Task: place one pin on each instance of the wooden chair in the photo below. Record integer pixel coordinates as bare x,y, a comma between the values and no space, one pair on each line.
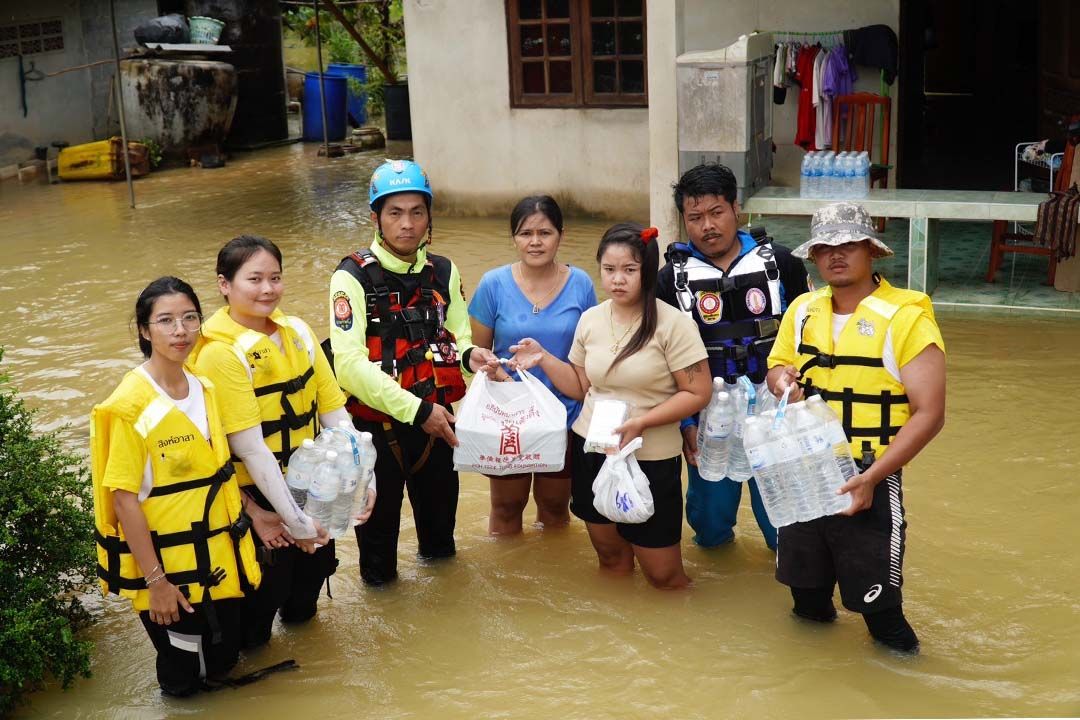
1002,241
857,133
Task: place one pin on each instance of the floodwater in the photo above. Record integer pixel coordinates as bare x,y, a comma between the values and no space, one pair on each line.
525,627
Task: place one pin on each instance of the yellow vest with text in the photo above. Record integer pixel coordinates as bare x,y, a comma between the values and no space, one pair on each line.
191,507
851,377
283,379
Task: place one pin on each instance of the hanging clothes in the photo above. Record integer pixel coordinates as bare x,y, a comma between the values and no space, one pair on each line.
822,126
780,82
875,46
807,115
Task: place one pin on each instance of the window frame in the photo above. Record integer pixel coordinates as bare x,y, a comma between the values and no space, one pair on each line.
583,94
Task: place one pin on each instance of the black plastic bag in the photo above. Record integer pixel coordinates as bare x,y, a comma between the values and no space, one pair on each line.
166,29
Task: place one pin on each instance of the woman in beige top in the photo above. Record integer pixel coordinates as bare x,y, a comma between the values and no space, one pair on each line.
648,354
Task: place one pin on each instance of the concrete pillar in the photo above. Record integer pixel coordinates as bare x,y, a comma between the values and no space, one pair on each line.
665,40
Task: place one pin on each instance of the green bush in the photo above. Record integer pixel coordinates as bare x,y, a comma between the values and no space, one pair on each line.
46,555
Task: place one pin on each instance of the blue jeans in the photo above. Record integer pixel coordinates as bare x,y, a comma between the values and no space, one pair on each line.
712,508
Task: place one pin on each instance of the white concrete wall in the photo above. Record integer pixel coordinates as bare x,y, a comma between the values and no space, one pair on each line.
481,155
58,108
69,107
711,24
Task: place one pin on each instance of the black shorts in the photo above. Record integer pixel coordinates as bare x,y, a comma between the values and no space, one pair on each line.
864,553
663,529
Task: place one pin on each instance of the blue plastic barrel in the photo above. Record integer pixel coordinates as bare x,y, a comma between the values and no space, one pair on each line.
335,107
357,103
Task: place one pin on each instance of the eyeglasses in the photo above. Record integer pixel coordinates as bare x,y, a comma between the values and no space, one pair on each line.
189,321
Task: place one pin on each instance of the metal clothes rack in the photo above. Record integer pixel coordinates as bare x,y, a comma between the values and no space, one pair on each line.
830,38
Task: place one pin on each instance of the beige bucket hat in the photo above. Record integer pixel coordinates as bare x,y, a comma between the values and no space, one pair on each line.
841,223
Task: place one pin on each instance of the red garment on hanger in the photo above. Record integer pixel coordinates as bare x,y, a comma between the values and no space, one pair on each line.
807,117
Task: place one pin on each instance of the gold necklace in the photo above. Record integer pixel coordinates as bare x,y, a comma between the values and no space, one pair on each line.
611,321
536,305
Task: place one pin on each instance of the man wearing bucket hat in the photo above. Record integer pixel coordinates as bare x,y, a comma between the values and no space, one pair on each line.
400,340
875,354
735,288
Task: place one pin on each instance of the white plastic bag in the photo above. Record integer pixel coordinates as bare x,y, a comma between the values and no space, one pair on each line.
621,491
505,428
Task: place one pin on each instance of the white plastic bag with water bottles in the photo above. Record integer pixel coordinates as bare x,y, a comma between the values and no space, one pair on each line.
621,491
507,428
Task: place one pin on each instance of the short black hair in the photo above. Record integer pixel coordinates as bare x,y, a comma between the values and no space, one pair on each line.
706,179
144,306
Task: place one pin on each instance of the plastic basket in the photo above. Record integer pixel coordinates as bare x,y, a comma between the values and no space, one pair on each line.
204,30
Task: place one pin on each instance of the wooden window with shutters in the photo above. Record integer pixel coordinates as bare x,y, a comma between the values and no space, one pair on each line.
577,53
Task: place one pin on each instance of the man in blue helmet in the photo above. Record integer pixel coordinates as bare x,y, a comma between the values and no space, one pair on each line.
736,289
400,341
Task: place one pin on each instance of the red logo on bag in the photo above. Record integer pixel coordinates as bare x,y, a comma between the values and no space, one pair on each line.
510,440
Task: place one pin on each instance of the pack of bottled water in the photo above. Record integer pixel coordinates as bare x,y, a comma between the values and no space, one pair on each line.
826,175
329,476
722,425
800,457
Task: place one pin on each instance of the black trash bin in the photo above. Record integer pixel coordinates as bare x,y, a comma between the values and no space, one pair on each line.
398,120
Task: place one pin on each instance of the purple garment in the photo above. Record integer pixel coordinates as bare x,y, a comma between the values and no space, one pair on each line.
838,78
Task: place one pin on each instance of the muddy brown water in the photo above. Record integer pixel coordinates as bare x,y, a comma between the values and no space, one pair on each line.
525,627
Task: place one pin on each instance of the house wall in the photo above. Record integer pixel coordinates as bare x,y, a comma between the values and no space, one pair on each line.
481,155
69,107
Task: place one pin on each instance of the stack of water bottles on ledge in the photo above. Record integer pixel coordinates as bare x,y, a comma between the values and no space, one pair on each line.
329,476
829,176
797,453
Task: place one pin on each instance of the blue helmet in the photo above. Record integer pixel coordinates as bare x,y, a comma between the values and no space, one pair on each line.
397,176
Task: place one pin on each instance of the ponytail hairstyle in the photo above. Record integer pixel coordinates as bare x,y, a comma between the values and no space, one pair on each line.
642,242
144,306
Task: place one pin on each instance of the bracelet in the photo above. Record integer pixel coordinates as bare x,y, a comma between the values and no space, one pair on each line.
159,578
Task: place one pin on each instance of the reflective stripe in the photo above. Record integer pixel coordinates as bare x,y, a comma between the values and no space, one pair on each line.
154,413
301,329
881,307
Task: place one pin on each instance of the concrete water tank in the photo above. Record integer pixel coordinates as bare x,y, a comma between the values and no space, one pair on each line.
253,30
725,110
181,104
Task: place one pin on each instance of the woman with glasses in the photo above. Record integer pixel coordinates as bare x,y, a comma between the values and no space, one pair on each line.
277,390
167,508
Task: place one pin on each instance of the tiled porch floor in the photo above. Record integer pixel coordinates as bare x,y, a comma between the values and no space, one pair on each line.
965,252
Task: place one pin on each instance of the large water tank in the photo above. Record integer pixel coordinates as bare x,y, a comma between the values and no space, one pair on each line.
253,30
180,104
725,113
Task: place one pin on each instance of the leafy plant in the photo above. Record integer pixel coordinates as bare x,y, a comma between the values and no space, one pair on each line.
46,555
153,149
381,24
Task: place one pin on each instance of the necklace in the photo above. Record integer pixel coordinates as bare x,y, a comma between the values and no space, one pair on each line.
536,305
611,321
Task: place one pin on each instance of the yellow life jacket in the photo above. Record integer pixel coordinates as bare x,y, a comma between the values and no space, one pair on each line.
851,376
283,379
191,508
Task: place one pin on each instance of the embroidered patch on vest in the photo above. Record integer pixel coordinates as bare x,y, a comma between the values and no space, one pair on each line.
756,302
865,327
342,310
709,307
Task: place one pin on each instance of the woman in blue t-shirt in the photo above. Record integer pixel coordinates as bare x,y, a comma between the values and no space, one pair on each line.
540,298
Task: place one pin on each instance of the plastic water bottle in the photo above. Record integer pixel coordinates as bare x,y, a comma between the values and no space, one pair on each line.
714,436
302,466
841,452
355,479
849,175
791,469
760,449
805,173
815,175
744,402
863,173
324,488
819,474
827,170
